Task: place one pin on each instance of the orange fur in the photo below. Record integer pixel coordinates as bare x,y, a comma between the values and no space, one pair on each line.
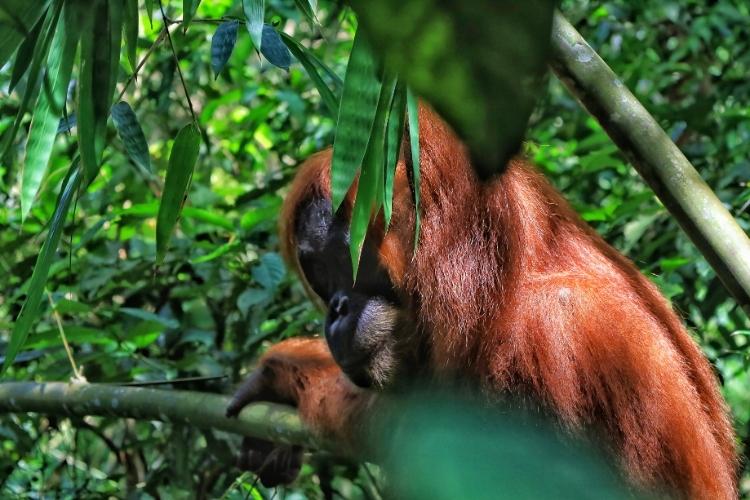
514,290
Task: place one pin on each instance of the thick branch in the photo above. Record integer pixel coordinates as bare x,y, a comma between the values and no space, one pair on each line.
264,420
674,180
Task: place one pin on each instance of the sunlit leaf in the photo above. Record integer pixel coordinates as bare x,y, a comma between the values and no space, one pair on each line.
254,13
274,49
217,252
25,54
182,161
50,103
412,111
359,102
394,136
131,133
307,59
30,308
222,45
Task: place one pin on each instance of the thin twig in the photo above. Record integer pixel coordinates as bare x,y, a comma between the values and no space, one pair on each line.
179,71
77,375
143,61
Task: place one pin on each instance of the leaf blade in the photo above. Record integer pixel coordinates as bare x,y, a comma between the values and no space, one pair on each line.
412,111
274,49
28,314
222,45
254,13
131,133
306,58
357,110
49,106
182,160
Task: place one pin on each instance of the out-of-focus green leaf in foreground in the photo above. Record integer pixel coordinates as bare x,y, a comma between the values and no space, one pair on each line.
477,62
447,447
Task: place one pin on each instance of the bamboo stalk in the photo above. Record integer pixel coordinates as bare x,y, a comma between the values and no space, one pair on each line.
662,165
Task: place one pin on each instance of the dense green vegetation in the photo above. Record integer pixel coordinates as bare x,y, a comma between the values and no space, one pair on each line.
221,292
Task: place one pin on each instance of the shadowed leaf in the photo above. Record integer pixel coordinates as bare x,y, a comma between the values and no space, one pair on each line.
274,49
222,45
131,133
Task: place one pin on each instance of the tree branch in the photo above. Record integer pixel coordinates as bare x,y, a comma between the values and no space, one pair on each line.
263,420
659,161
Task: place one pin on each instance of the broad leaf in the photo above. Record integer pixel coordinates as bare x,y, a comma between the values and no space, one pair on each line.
182,161
357,110
222,45
270,271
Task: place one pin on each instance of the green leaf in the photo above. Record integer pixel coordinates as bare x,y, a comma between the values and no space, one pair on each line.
182,161
149,316
29,310
49,105
131,133
222,45
100,56
274,49
270,271
252,297
35,72
217,252
359,103
188,11
393,139
25,54
149,4
371,181
307,9
479,63
254,13
412,111
131,31
307,59
22,16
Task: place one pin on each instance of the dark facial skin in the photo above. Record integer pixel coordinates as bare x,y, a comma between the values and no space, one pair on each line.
364,318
